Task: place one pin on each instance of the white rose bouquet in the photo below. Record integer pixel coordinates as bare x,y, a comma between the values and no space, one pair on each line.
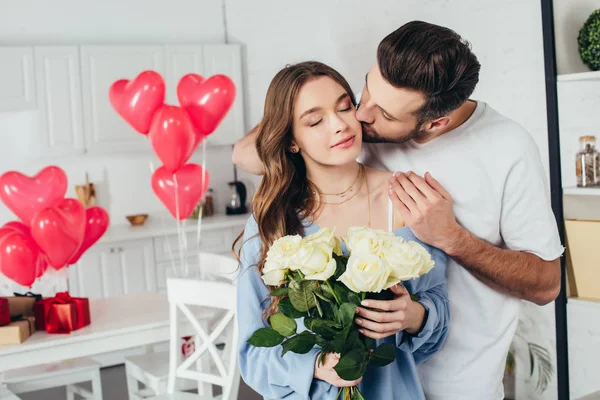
316,282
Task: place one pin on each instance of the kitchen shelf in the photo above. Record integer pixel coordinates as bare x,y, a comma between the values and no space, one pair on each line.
577,191
579,76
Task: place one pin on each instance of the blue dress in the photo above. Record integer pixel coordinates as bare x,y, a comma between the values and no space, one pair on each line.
291,376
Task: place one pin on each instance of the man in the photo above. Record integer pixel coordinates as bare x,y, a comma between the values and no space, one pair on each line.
498,227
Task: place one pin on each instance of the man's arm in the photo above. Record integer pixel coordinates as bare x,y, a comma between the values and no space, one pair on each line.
427,208
245,155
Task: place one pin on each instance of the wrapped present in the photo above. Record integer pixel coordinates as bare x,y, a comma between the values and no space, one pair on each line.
22,304
18,330
4,312
62,313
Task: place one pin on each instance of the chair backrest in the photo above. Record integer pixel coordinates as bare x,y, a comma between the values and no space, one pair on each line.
218,267
216,298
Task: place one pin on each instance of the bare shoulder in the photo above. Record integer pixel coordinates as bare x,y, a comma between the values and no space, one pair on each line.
377,178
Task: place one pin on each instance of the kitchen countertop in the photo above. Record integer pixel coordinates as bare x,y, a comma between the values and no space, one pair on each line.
163,225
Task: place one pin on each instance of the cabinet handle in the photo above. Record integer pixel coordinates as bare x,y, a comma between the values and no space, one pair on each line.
112,250
120,249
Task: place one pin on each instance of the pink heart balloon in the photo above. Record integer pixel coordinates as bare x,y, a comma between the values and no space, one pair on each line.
42,263
96,224
136,101
19,256
207,101
59,231
172,136
25,196
181,191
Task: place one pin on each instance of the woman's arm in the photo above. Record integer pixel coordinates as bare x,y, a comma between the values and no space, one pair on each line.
263,369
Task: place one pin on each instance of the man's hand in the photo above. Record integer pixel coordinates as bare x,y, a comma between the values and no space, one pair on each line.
399,314
427,209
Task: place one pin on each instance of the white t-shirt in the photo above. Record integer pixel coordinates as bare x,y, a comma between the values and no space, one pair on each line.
491,167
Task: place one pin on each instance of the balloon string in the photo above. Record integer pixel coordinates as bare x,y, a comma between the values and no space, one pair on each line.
166,236
180,235
199,232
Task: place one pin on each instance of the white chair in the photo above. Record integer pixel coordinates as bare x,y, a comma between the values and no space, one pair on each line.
65,373
152,369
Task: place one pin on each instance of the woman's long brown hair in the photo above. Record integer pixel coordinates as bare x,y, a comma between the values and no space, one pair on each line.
284,198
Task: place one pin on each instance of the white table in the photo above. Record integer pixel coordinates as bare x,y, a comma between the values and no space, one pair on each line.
118,323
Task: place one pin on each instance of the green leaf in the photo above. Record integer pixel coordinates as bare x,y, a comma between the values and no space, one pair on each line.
301,295
353,341
318,305
340,265
346,314
279,292
415,298
369,342
341,291
300,344
326,290
383,355
287,309
265,337
321,295
339,340
321,342
354,298
285,326
352,365
327,329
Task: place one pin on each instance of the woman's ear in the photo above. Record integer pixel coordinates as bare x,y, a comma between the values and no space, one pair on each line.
294,148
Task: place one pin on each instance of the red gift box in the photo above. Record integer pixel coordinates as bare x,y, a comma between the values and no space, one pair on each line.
4,312
62,313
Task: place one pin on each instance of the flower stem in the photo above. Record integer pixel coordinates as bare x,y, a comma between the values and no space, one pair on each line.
300,274
363,295
335,296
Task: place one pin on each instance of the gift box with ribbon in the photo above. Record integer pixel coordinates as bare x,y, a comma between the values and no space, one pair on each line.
62,313
22,304
4,312
18,330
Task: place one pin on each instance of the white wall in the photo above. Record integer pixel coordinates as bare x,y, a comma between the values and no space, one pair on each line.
506,36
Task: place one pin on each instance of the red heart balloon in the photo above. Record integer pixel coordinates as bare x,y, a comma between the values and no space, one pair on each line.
59,231
136,101
19,256
172,136
96,223
207,101
42,263
183,187
25,196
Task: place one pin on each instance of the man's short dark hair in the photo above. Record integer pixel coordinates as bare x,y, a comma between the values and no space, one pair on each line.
433,60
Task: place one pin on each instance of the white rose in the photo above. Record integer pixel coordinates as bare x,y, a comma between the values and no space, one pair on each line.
273,273
407,260
315,260
326,236
366,273
284,249
366,241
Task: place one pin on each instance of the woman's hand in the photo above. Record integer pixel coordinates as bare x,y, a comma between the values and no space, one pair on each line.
325,371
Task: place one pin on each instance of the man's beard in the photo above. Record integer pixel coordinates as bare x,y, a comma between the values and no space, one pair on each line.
371,136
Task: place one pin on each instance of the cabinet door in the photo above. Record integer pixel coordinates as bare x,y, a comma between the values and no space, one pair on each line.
114,269
180,61
226,59
59,100
17,81
105,131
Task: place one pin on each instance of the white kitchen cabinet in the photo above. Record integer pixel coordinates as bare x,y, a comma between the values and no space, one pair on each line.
180,61
227,60
114,269
17,80
105,130
57,72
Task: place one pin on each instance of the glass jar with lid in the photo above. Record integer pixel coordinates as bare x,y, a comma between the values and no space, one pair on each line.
587,161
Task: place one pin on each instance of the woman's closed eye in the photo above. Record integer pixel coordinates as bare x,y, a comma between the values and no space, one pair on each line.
316,123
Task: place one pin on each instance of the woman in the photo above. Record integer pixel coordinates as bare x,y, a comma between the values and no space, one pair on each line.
309,141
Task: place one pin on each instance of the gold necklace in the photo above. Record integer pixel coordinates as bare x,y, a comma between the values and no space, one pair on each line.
366,181
361,173
342,193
